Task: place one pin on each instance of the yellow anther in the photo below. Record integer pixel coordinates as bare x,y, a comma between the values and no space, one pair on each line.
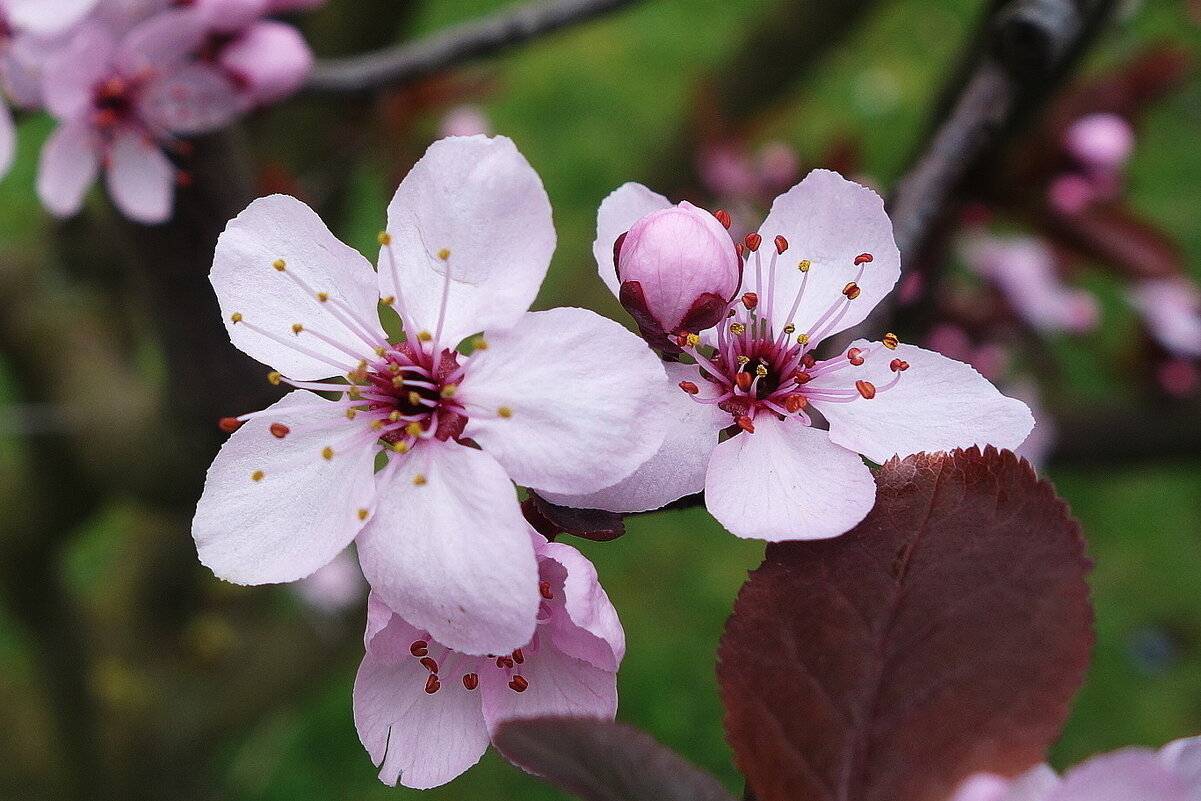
379,350
415,398
737,329
297,328
384,238
279,264
479,343
413,429
761,371
419,479
444,254
743,359
425,336
388,301
327,453
891,341
236,317
505,412
693,340
323,296
400,447
274,377
352,414
448,391
398,381
393,368
804,265
363,514
395,415
802,339
257,475
376,425
354,392
789,329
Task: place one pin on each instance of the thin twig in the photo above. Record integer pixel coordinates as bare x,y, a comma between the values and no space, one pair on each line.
480,37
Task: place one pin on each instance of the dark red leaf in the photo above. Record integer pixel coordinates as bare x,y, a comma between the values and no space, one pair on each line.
598,760
945,634
550,520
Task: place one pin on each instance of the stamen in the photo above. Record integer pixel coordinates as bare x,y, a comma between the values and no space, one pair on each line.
229,424
279,430
752,242
737,329
545,591
723,217
519,684
854,356
257,475
518,656
363,513
750,300
432,685
851,290
801,377
795,403
863,258
689,387
898,365
866,389
419,648
505,412
781,244
429,664
327,453
419,480
745,424
280,265
471,681
891,341
743,380
803,265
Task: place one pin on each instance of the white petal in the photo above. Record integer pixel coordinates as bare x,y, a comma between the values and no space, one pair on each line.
140,179
624,206
679,466
46,17
247,283
481,202
418,739
453,554
584,398
787,481
558,685
303,509
828,221
67,168
938,404
1183,756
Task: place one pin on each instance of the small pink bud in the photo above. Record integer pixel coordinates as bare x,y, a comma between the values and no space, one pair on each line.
1102,142
678,270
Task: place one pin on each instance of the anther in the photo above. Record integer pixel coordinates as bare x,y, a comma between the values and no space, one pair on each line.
297,328
444,254
851,290
789,329
429,664
739,249
864,258
750,300
545,591
689,387
274,377
257,475
743,380
801,377
323,297
363,514
693,340
891,341
400,447
432,684
471,681
279,430
752,242
761,371
505,412
414,429
745,424
808,361
388,301
866,388
898,365
394,416
854,356
229,424
742,359
723,217
376,425
504,662
398,381
802,339
327,453
419,480
737,329
794,403
419,648
425,336
479,343
236,317
803,265
384,238
448,391
352,414
414,397
379,350
781,244
519,657
279,264
519,684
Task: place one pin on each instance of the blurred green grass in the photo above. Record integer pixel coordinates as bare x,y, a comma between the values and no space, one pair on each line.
589,108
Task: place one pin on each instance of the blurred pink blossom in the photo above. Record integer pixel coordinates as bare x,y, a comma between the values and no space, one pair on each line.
1171,310
334,588
465,120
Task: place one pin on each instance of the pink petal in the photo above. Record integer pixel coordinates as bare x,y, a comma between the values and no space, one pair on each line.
46,17
1127,775
678,468
248,283
231,16
271,59
67,167
558,685
830,222
1035,784
787,481
164,41
590,631
1183,757
983,787
1171,310
418,739
1102,141
453,554
476,201
303,509
191,100
69,80
8,140
140,179
937,404
618,212
583,398
335,588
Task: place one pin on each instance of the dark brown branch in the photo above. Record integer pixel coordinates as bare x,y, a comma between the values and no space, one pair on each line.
1128,435
408,62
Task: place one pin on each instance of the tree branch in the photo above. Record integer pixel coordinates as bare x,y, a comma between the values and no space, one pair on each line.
408,62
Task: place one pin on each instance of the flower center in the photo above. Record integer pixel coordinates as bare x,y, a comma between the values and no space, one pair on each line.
409,392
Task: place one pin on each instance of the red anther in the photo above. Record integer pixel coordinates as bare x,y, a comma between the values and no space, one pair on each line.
794,403
229,424
429,664
432,684
808,361
743,380
519,657
723,217
519,684
781,244
864,258
752,242
898,365
866,388
851,290
750,300
688,387
745,424
682,339
738,248
183,178
801,377
854,357
504,662
419,648
471,680
279,430
544,590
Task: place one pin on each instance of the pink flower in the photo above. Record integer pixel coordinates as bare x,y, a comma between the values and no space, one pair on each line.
678,271
1101,142
334,588
117,100
464,120
1131,774
1171,310
821,260
45,17
425,712
560,401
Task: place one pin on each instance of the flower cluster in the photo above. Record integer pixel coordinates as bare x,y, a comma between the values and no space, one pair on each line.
129,80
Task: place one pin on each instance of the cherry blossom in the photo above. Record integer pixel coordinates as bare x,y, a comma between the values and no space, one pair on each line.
559,401
822,259
425,711
1171,310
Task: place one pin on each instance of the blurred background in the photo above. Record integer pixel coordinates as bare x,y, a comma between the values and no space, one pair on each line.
127,670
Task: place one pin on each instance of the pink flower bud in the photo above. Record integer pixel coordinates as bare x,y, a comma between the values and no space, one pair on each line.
1102,142
678,271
